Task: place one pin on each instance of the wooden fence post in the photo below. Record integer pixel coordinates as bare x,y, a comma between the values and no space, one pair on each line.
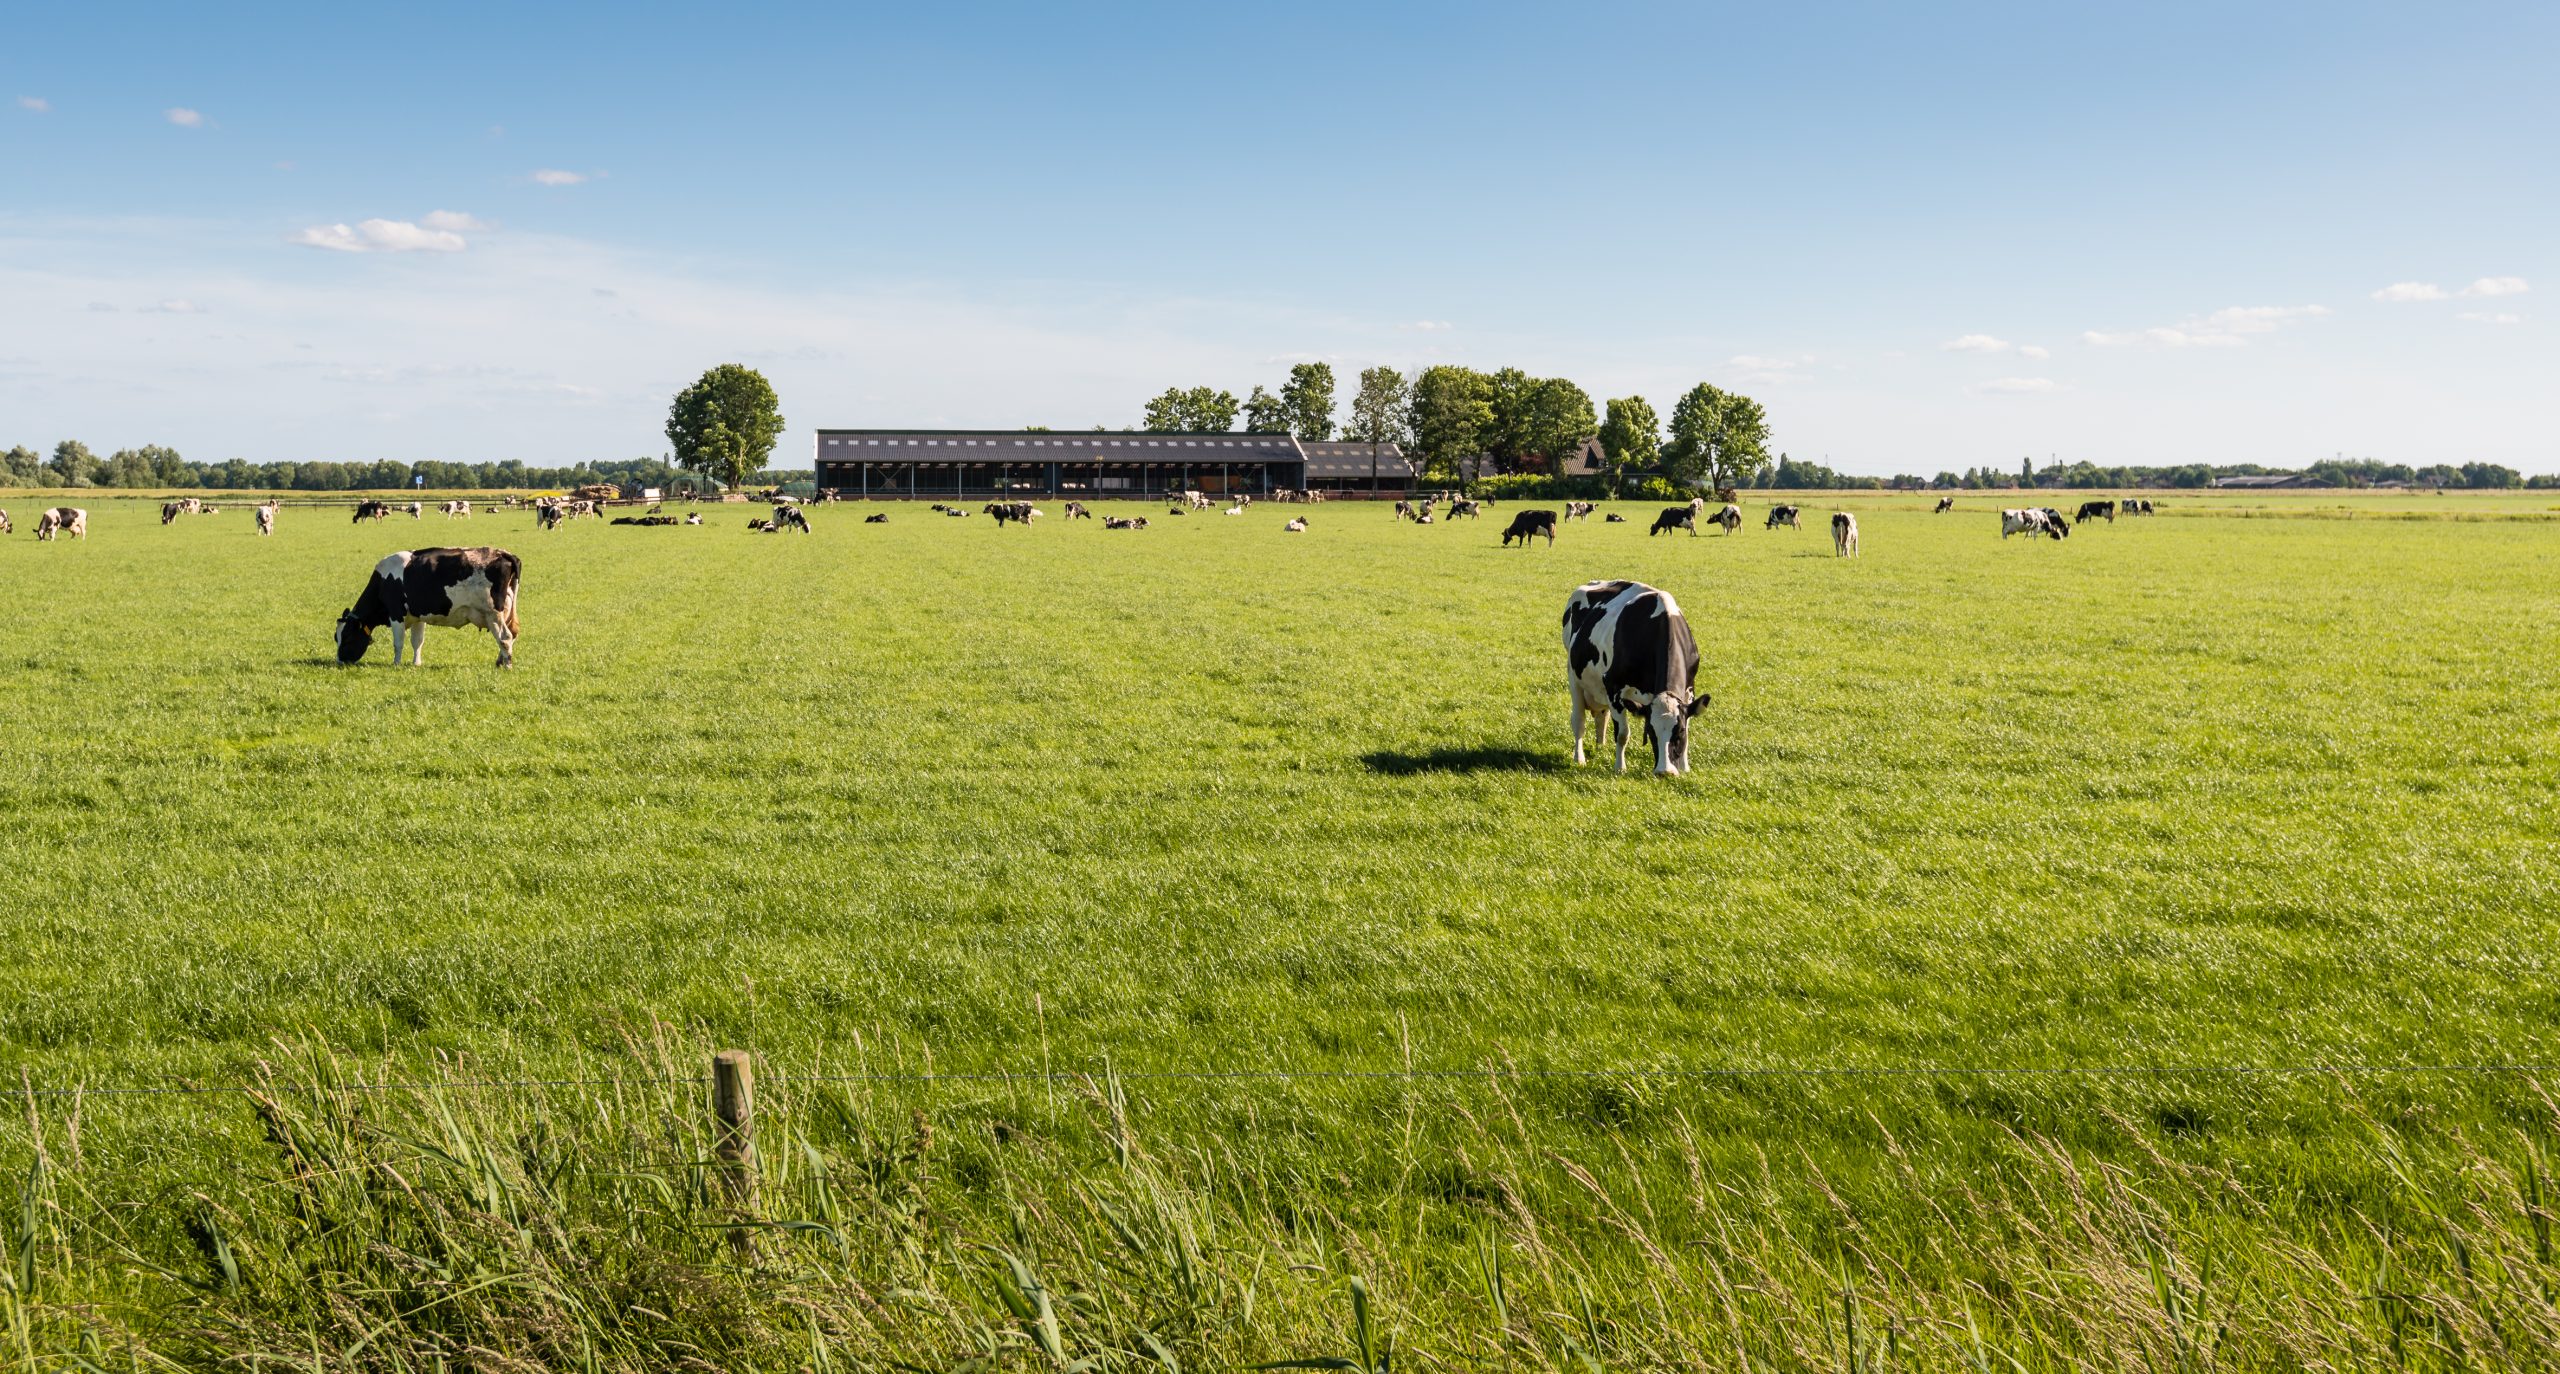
733,1111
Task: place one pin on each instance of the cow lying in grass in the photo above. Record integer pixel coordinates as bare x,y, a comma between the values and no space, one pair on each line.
410,591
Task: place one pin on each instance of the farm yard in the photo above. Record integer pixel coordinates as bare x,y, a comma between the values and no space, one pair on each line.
1153,940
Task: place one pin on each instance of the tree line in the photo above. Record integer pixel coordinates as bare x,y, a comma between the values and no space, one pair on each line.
1459,423
157,468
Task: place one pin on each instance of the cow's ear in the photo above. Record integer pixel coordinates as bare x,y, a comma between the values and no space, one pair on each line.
1699,703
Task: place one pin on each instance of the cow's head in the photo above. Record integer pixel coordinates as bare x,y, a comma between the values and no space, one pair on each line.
354,636
1667,718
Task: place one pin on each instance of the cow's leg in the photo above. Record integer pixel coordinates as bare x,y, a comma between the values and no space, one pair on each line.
1618,732
1662,753
506,637
1577,721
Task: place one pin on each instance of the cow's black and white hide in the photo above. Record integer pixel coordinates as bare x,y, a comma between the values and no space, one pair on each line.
1784,515
412,590
1675,518
1628,649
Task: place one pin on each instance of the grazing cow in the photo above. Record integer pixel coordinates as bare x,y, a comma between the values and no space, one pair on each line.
1675,518
791,517
415,509
462,510
1945,504
1017,512
410,591
5,526
1730,517
1297,526
1573,510
171,510
1613,518
60,520
267,518
548,516
2031,523
371,510
1076,511
2053,519
1844,534
880,519
1784,515
2095,510
1473,509
1528,525
1404,510
1627,648
2140,507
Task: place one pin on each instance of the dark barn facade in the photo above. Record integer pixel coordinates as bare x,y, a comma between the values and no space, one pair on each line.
938,464
1349,465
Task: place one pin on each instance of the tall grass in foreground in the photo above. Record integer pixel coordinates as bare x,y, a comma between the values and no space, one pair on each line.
1046,1226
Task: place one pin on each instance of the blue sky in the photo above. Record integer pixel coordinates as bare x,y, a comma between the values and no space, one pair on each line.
1926,237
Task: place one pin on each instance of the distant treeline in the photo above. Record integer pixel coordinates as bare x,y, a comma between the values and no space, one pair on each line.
1791,475
152,467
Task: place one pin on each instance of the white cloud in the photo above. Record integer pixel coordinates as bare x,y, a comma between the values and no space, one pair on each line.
553,176
184,118
1429,325
2410,291
36,103
175,307
2224,328
2498,286
2490,317
453,221
1976,343
2017,386
381,236
2033,351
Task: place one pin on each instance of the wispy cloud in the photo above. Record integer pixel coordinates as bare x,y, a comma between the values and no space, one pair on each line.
2490,317
2229,327
553,176
381,236
2498,286
2016,386
2410,291
183,117
175,307
37,103
453,221
1976,343
2033,351
1429,325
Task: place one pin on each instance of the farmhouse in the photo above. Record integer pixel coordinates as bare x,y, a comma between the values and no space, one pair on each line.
933,463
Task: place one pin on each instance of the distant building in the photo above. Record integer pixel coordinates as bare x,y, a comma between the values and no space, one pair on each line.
2270,481
1346,465
958,463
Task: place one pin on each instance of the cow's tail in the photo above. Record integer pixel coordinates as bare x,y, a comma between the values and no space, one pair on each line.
507,593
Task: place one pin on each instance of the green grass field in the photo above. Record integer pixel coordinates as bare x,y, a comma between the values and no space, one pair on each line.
935,796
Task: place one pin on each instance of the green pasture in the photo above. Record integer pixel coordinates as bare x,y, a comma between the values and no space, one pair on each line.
2209,789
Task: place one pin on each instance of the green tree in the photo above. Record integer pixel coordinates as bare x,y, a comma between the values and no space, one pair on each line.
74,463
1263,413
725,425
23,463
1510,394
1378,412
1306,399
1200,410
1559,421
1449,417
1717,437
1631,437
125,468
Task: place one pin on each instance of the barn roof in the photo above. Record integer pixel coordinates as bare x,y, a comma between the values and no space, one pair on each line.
1350,458
1036,446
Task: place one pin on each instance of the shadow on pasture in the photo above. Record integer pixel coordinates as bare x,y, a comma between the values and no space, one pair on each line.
1400,763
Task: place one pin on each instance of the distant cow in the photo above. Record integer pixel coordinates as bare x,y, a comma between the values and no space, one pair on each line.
644,520
1297,526
694,519
1784,515
1404,510
1076,511
267,518
410,591
5,526
1472,509
1627,648
2095,510
1573,510
2061,527
1945,504
546,516
791,517
1675,518
1730,517
371,510
1013,512
1613,518
171,510
2137,507
462,510
1528,525
415,509
2030,523
70,520
1844,534
880,519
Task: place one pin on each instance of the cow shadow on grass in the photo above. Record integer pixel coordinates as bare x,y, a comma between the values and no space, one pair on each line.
1404,763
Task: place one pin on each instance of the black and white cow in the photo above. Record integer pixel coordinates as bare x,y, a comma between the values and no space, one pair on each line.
2095,510
1627,648
5,526
1730,517
2031,523
1076,511
267,517
2053,518
1528,525
372,510
1613,518
1297,526
790,518
1573,510
1945,504
1015,512
60,520
1844,534
880,519
410,591
1784,515
1675,518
